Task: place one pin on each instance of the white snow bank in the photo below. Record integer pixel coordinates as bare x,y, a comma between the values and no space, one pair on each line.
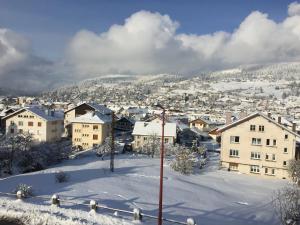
31,214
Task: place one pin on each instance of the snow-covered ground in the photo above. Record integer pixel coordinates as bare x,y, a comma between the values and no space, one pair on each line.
212,197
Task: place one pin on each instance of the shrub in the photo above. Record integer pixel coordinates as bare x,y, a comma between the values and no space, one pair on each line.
26,190
61,177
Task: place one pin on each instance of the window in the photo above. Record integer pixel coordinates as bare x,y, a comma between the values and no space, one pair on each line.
39,124
285,150
252,127
145,138
268,142
20,123
261,128
267,157
19,116
30,124
31,116
273,171
254,169
12,131
234,139
95,137
256,141
20,131
233,166
166,140
284,163
234,153
12,122
273,157
266,170
286,136
255,155
95,127
193,124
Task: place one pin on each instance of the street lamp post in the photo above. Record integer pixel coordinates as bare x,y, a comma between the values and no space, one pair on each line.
161,166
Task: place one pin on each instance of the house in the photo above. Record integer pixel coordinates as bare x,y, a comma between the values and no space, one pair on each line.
203,124
45,125
144,130
4,113
124,124
90,129
80,110
259,145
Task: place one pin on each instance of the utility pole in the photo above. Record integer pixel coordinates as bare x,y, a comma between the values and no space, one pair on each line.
112,148
161,166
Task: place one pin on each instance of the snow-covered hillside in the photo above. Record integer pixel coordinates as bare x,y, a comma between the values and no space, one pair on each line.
212,197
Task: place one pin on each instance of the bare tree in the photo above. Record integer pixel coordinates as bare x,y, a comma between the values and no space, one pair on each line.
294,170
287,205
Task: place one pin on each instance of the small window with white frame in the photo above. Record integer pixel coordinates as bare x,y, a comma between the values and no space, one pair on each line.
234,153
254,169
261,128
256,141
255,155
234,139
252,127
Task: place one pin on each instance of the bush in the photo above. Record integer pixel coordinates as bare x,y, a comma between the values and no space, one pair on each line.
26,190
61,177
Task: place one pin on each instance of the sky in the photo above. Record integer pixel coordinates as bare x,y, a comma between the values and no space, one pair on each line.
43,43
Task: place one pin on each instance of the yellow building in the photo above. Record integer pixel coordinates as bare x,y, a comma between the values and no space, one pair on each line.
80,110
143,131
259,145
45,125
90,129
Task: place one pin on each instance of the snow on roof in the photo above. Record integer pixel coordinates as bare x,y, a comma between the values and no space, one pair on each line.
101,108
46,114
93,117
50,115
252,116
152,128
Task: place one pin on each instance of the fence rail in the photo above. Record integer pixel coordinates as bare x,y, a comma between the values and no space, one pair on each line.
93,205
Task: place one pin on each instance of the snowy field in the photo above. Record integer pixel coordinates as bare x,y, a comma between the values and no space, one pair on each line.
212,197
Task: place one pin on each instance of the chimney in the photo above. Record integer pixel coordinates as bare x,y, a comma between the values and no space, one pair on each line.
228,116
294,127
269,114
279,119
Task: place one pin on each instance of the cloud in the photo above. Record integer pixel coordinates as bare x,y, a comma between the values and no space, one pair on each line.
20,70
148,43
294,9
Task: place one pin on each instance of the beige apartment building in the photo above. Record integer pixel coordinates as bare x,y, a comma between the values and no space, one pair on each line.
143,131
80,110
45,125
90,129
259,145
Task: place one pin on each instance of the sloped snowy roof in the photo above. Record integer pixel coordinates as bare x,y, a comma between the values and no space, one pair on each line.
101,108
152,128
41,112
92,117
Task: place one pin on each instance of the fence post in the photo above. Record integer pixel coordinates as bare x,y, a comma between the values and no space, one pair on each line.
55,200
20,194
190,221
137,215
93,205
